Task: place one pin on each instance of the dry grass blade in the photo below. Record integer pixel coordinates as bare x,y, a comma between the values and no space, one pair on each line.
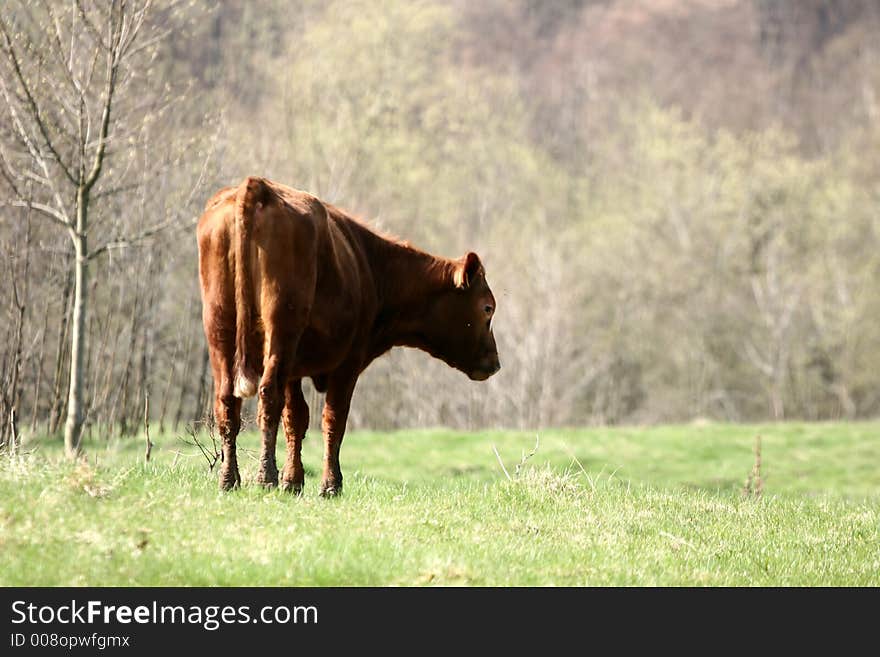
501,463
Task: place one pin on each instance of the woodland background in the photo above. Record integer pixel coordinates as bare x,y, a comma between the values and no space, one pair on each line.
676,201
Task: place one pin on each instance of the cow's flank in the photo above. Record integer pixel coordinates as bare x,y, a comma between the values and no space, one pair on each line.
293,287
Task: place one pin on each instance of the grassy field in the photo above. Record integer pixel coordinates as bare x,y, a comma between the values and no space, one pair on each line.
627,506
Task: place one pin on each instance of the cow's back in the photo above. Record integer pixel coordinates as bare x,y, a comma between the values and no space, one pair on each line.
345,299
304,227
307,275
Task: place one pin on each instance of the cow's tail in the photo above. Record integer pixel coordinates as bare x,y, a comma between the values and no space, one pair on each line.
247,348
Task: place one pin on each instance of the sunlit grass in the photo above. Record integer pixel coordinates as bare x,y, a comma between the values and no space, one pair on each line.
592,506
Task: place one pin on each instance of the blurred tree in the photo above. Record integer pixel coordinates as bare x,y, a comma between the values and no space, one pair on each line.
675,201
78,107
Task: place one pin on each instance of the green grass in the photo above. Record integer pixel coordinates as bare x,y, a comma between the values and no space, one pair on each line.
654,506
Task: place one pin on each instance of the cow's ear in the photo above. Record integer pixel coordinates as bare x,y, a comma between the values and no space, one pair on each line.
466,271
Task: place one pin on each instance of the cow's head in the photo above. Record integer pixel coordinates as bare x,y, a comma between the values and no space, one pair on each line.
458,327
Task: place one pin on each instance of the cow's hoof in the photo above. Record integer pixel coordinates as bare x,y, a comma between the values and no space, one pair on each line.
267,478
229,480
331,489
290,486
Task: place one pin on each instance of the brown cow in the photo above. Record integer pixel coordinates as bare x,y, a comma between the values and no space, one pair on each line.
293,287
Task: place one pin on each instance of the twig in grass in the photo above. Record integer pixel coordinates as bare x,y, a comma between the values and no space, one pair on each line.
526,457
149,447
210,426
212,455
519,466
754,485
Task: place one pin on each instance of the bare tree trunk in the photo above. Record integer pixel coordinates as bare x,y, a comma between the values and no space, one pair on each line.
184,381
126,376
89,394
149,444
143,368
7,431
96,413
14,438
19,300
21,306
56,115
39,378
108,409
202,397
73,426
172,368
60,359
146,320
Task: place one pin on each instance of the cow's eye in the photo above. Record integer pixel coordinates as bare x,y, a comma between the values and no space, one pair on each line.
488,309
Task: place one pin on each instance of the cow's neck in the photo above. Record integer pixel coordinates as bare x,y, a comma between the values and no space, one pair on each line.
407,282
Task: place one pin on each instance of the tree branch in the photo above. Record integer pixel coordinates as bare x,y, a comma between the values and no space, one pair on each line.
138,18
90,27
28,142
46,210
112,67
116,190
32,104
126,242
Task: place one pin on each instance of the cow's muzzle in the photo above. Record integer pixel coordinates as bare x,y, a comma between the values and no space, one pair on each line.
486,369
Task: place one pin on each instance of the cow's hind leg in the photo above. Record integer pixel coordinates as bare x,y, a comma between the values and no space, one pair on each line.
227,416
280,350
227,407
268,415
289,272
296,422
227,411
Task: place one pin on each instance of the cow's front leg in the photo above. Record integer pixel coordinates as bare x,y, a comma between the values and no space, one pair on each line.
295,417
339,390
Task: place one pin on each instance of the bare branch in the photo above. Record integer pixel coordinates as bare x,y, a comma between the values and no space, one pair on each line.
27,141
112,68
90,27
160,36
138,18
66,62
211,456
37,178
116,190
127,242
19,127
46,210
32,104
8,173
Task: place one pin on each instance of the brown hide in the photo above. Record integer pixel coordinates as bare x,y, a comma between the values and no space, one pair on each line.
293,287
